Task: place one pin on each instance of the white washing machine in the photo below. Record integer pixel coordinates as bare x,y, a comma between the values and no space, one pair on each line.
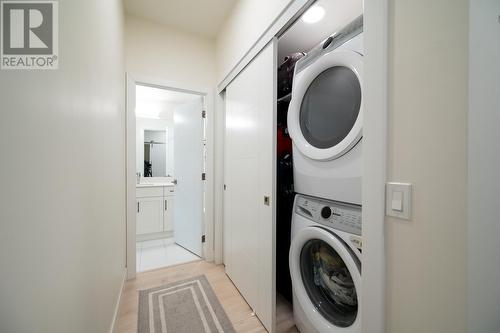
325,266
325,117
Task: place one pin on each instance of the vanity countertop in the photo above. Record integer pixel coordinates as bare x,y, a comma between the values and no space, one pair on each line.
168,184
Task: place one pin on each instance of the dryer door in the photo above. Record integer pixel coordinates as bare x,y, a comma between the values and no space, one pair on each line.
326,280
326,111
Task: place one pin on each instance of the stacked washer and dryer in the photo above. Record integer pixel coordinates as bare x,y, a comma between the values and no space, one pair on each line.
325,121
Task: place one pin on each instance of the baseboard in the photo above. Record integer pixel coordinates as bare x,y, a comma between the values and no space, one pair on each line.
118,301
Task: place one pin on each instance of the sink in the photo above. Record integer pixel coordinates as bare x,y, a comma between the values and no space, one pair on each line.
154,184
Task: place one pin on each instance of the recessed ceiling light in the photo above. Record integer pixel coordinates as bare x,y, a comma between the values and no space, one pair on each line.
313,14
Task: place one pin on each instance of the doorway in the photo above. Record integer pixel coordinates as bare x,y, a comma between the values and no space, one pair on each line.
166,150
319,129
375,18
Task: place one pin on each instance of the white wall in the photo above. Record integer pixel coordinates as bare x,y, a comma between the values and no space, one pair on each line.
484,165
156,51
62,193
247,22
427,256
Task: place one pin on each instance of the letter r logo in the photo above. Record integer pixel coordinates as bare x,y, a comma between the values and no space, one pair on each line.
27,27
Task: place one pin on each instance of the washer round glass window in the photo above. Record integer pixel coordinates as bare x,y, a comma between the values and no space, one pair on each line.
330,107
328,283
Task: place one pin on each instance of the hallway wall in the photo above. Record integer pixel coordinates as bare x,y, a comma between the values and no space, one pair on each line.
427,256
62,193
157,51
248,20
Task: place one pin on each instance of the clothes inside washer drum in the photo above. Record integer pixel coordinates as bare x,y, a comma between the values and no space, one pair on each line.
332,275
328,283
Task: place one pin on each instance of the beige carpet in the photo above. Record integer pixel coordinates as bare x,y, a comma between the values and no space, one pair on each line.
187,306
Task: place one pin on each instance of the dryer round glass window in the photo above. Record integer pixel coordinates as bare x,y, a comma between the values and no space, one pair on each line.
330,107
328,283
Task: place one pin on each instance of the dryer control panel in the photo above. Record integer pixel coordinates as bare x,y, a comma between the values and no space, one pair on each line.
333,214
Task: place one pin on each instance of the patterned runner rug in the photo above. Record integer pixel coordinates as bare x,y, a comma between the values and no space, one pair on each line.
188,306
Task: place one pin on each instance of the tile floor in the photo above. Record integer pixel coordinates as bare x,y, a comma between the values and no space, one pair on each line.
158,253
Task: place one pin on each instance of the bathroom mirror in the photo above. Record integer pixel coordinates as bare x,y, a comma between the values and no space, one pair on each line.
155,153
155,147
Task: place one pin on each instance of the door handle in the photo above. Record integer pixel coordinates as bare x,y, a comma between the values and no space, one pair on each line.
138,207
166,206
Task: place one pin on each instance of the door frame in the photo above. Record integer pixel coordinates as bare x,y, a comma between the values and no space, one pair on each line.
208,221
375,138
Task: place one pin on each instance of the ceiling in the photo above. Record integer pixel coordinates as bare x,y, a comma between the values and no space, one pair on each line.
301,36
201,17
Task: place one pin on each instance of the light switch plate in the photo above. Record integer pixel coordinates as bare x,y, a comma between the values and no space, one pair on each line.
398,195
397,201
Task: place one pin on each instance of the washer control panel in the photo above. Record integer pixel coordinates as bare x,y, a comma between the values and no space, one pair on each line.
333,214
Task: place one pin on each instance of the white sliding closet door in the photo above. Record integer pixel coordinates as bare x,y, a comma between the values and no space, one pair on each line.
249,178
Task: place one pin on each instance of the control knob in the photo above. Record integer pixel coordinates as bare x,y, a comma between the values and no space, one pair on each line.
326,212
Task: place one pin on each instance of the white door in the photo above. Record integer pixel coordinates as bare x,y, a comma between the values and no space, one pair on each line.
188,169
149,215
249,178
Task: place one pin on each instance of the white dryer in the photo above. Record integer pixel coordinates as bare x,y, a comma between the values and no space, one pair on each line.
325,266
325,117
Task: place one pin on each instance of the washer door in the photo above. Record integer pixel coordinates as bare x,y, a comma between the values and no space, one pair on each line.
326,111
326,279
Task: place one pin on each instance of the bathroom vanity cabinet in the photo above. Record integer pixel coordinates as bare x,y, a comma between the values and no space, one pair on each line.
154,207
